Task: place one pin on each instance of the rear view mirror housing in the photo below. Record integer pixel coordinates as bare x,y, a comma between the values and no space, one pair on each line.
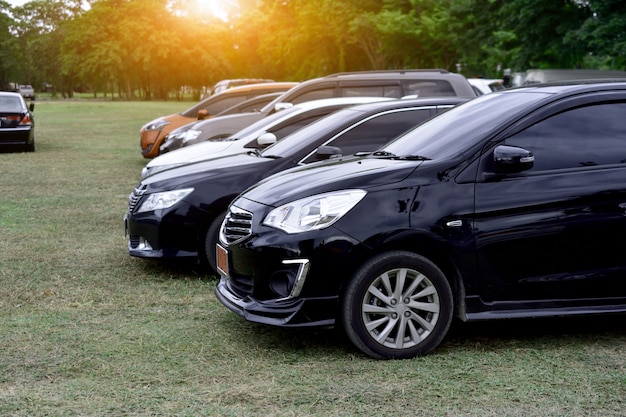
266,139
512,159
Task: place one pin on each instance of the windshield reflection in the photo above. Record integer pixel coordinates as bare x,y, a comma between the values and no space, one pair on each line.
456,129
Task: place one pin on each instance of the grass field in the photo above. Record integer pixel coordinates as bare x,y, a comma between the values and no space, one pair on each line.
86,330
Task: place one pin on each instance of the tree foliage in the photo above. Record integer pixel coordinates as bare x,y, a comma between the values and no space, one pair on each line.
151,48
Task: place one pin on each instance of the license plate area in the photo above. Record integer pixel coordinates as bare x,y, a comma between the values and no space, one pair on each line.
222,259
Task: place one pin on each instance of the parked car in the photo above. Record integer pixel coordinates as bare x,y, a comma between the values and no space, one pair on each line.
282,123
392,84
153,133
26,91
510,205
259,135
177,213
17,123
485,85
534,76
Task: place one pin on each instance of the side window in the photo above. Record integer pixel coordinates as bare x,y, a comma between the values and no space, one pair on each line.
585,136
376,131
319,94
428,88
288,128
391,91
221,105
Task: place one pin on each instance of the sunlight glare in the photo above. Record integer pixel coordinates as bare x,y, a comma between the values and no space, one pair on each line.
219,9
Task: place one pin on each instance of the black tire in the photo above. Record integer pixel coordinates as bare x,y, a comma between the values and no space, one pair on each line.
210,240
30,147
385,326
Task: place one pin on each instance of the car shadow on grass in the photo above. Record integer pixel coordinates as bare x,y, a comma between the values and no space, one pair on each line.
484,335
176,268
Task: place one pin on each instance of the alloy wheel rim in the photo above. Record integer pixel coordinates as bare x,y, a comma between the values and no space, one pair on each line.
400,308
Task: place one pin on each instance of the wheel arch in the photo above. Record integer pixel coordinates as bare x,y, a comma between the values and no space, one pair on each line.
430,247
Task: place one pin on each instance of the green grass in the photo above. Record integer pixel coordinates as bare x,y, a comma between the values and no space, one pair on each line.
86,330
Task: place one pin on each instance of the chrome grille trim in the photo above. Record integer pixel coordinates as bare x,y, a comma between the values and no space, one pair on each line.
237,225
135,196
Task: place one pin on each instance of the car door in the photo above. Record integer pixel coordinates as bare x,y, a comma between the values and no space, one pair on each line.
556,234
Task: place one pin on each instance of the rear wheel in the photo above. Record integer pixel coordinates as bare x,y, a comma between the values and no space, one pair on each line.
397,306
30,147
210,240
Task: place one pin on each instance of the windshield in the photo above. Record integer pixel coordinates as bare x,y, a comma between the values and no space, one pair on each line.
301,138
253,131
11,104
456,129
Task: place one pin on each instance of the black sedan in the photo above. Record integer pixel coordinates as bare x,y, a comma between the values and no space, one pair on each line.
177,213
510,205
17,124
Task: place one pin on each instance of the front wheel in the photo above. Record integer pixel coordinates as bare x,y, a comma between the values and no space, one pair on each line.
398,305
210,240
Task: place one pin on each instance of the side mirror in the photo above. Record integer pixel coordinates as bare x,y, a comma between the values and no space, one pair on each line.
203,114
512,159
31,107
327,152
282,106
266,139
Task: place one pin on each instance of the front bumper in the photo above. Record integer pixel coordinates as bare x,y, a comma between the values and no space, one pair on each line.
150,142
299,312
163,234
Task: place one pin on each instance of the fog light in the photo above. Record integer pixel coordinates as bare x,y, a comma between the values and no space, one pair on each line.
281,282
287,283
143,244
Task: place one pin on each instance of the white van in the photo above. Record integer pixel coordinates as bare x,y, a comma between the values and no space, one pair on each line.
535,76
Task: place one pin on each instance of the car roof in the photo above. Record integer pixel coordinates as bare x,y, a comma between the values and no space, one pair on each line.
574,85
10,94
393,73
257,86
314,104
364,76
409,102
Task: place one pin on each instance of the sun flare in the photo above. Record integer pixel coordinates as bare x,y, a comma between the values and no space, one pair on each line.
220,9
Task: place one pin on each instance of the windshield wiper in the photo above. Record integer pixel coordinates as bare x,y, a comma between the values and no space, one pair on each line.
385,154
258,153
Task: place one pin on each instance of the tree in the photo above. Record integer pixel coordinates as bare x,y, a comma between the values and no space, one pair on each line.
543,28
9,53
39,28
603,33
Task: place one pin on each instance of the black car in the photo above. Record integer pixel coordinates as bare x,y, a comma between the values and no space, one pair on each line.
177,213
17,123
510,205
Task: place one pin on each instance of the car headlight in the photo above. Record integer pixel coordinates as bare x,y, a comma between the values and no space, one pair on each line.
190,135
313,213
157,125
158,201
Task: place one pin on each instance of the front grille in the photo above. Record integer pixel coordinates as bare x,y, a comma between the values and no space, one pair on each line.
236,226
135,196
134,242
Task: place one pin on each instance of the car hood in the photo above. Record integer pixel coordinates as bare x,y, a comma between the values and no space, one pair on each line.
317,178
188,174
191,153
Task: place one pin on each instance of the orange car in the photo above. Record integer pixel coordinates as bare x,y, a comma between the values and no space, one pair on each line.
153,134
